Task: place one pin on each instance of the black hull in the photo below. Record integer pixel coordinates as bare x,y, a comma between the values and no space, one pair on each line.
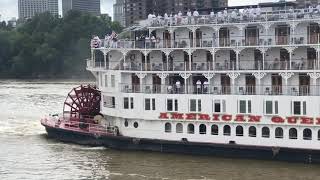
221,150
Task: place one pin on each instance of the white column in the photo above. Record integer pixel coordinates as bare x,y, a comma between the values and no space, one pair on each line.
314,76
167,64
237,60
209,76
190,64
263,59
105,59
318,59
286,76
185,76
163,77
213,53
124,62
233,76
290,60
218,39
194,37
141,76
259,76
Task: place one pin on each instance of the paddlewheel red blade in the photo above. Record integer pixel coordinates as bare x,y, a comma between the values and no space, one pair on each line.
83,101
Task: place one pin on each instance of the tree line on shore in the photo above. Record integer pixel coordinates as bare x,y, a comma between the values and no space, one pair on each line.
51,47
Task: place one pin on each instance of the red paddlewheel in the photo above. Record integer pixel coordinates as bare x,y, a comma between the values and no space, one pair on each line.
82,102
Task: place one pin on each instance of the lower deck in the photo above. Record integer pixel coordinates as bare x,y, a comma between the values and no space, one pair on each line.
254,134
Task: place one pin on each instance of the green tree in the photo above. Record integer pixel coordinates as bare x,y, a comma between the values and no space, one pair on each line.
50,47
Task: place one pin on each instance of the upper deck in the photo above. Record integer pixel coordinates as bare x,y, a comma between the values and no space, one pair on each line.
232,29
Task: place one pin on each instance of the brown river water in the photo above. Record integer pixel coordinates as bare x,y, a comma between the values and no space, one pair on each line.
26,152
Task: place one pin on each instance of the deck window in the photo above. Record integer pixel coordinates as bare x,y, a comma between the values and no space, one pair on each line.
195,105
226,130
252,131
293,133
179,128
190,129
219,106
265,132
244,106
214,130
239,131
167,127
172,105
113,81
271,107
105,80
299,107
150,104
279,132
202,129
307,134
109,101
128,103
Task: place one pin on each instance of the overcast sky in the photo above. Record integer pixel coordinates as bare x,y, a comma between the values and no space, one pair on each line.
9,8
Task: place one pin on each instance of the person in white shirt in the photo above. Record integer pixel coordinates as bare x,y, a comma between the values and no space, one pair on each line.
171,20
159,19
220,16
150,19
234,15
178,86
195,16
166,19
198,83
154,19
170,89
147,41
251,13
175,19
245,13
225,13
318,8
205,86
258,11
189,16
179,17
153,41
107,40
310,9
212,16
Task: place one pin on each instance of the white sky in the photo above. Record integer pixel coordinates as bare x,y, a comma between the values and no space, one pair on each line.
9,8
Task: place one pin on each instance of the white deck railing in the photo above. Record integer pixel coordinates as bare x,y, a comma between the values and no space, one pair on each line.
290,90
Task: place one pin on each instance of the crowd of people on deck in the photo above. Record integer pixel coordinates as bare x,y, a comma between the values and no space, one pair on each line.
199,87
226,15
110,40
143,41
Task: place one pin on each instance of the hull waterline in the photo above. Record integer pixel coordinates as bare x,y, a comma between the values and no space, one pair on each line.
185,147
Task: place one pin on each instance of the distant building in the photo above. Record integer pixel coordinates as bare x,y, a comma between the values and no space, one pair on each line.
89,6
12,22
29,8
119,12
306,3
136,10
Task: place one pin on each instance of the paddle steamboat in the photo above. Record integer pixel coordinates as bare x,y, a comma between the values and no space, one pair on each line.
235,83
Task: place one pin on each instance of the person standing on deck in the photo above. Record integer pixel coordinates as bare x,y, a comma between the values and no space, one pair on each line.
189,16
